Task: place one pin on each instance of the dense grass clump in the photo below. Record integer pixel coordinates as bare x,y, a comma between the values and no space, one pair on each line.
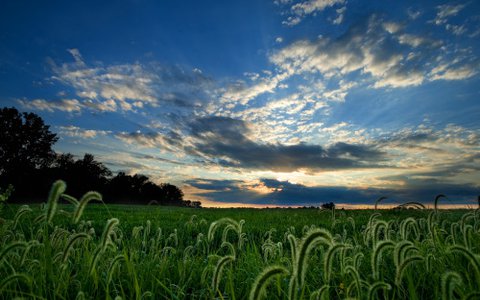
88,250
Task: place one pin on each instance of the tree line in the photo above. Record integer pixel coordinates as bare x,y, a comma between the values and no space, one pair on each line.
30,165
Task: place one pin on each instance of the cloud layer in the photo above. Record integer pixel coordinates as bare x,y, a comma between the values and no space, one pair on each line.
273,192
226,141
383,50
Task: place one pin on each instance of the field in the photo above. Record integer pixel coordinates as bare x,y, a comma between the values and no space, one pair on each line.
90,250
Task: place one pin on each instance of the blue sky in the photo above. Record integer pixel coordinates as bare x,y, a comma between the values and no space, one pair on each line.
258,102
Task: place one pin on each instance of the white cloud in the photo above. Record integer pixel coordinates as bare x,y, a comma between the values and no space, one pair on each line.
371,52
445,11
130,86
415,40
340,16
106,105
456,73
68,105
382,50
413,14
128,82
74,131
392,27
280,2
147,140
292,21
303,9
77,56
169,142
279,39
339,94
399,79
242,94
456,29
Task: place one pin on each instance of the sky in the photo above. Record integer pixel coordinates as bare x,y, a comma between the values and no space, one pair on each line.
258,102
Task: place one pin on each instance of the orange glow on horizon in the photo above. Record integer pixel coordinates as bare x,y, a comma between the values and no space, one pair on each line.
349,206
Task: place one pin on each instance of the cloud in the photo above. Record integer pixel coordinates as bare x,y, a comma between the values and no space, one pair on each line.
445,11
456,29
445,156
433,156
340,16
380,51
118,82
364,47
68,105
241,93
77,56
275,192
413,14
300,10
104,106
74,131
279,2
457,73
416,41
451,136
151,139
225,141
156,159
128,87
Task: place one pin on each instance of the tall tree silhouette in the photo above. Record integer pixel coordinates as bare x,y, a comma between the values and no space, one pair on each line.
126,188
173,195
81,175
25,145
139,189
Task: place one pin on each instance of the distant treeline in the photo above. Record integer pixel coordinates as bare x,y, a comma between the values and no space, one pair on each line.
28,162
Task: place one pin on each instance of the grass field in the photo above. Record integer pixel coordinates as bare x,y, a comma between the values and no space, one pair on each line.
95,251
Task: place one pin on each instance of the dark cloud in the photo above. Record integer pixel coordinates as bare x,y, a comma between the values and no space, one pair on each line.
173,74
412,137
226,141
286,193
158,158
214,184
178,99
425,192
439,175
169,141
225,190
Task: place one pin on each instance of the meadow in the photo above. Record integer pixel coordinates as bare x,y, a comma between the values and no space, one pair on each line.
88,250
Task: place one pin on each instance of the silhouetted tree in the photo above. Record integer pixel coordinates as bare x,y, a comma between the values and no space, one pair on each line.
173,195
139,189
28,162
25,142
125,188
25,147
64,161
81,175
152,192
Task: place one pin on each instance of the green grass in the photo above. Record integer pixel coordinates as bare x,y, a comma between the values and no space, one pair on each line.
159,252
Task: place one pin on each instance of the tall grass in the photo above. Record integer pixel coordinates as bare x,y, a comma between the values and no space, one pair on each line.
86,251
